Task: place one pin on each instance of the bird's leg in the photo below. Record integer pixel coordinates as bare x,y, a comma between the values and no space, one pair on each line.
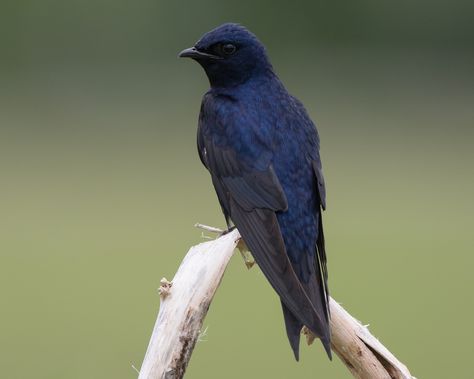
228,222
228,230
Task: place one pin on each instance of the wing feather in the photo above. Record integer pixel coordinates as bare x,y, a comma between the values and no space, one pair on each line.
261,232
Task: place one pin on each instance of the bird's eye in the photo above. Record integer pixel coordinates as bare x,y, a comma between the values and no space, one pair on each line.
228,49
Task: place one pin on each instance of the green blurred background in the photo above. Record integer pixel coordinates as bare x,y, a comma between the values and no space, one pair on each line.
101,183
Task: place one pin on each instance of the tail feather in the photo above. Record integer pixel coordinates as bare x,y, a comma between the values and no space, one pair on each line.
312,272
315,290
293,330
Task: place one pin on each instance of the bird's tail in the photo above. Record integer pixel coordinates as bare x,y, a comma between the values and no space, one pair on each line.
293,330
316,289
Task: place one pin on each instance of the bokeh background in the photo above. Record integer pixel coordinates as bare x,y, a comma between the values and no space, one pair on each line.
101,183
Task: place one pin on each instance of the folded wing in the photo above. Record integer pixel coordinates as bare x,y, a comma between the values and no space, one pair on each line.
250,196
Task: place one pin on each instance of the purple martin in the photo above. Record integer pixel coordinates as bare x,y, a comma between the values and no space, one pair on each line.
262,151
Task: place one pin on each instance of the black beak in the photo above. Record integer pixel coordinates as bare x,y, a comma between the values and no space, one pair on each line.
194,53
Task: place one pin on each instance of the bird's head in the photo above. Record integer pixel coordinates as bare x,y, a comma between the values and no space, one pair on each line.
230,55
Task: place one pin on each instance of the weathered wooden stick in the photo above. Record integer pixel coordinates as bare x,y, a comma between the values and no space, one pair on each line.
186,300
362,353
184,304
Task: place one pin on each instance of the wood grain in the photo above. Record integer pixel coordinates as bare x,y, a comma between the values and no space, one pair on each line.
185,302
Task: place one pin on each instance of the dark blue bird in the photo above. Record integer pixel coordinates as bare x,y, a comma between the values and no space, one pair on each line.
262,151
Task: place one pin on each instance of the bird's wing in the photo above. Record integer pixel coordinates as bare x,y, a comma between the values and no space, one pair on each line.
313,154
321,263
251,197
318,172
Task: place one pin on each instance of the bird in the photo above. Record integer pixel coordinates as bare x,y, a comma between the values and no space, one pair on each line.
262,151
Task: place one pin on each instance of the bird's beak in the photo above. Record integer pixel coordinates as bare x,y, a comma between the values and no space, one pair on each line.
194,53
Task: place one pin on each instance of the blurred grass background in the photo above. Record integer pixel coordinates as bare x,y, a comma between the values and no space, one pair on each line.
101,182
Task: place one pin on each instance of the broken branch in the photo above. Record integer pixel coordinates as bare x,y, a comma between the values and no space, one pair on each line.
186,300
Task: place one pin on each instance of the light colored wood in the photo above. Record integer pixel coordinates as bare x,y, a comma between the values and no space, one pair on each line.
359,350
185,302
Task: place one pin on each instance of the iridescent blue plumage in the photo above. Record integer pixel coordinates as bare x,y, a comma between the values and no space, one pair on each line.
262,151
